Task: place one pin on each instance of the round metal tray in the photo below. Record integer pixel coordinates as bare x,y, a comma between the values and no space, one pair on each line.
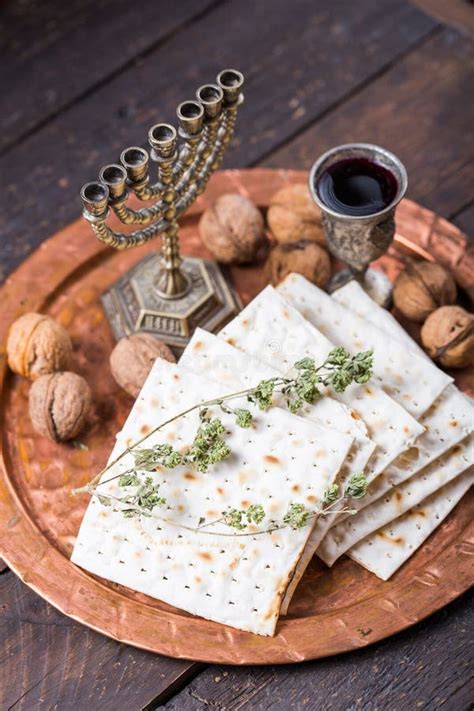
333,610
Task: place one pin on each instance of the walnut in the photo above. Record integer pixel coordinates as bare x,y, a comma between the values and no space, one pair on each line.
233,229
448,336
306,258
37,345
422,288
132,358
293,217
59,404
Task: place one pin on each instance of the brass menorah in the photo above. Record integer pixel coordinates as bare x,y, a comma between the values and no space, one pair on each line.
168,295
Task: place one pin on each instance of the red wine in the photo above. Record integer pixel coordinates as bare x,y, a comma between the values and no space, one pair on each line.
357,186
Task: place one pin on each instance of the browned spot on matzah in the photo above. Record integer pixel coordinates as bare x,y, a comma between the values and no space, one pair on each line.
454,423
230,341
220,490
398,496
245,322
457,448
212,514
271,459
144,429
180,507
295,487
355,415
415,512
205,555
189,475
198,345
368,390
406,397
311,499
176,376
245,504
198,579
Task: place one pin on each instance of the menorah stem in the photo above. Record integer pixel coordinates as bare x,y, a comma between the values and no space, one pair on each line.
170,282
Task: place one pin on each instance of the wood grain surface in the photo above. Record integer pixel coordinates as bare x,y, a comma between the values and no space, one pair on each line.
285,91
301,78
395,674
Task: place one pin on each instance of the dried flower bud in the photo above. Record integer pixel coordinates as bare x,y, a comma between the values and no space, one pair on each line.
59,404
233,229
306,258
293,217
422,288
37,345
132,358
448,336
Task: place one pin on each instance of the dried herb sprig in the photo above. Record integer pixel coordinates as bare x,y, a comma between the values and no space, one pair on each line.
209,447
146,498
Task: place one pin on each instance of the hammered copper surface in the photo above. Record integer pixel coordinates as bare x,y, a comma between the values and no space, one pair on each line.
333,610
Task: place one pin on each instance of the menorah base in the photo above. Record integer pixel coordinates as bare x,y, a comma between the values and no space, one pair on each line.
133,303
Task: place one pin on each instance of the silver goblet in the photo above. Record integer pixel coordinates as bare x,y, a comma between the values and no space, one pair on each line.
358,239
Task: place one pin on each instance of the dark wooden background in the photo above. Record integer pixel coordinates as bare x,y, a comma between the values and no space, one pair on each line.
82,79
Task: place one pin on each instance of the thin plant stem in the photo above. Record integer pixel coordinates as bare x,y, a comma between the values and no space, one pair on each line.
198,529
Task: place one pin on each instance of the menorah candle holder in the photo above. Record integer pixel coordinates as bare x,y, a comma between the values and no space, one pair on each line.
166,294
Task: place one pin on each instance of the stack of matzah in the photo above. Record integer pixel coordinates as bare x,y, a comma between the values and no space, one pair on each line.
409,430
235,580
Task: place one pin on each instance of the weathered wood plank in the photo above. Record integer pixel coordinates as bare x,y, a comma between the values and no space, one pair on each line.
299,58
419,109
54,52
458,13
465,220
48,662
429,667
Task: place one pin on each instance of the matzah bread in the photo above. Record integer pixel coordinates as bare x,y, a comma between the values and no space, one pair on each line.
448,421
409,379
214,358
384,551
274,332
210,355
397,501
354,298
233,580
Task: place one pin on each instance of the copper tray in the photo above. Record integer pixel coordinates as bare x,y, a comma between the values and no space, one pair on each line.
333,610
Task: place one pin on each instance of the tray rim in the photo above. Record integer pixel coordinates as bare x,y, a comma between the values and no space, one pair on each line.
42,553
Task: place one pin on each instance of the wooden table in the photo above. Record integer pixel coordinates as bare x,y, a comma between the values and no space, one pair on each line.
81,80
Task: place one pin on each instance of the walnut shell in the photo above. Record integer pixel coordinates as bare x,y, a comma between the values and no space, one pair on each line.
233,229
37,345
422,288
448,336
306,258
59,404
132,358
293,217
